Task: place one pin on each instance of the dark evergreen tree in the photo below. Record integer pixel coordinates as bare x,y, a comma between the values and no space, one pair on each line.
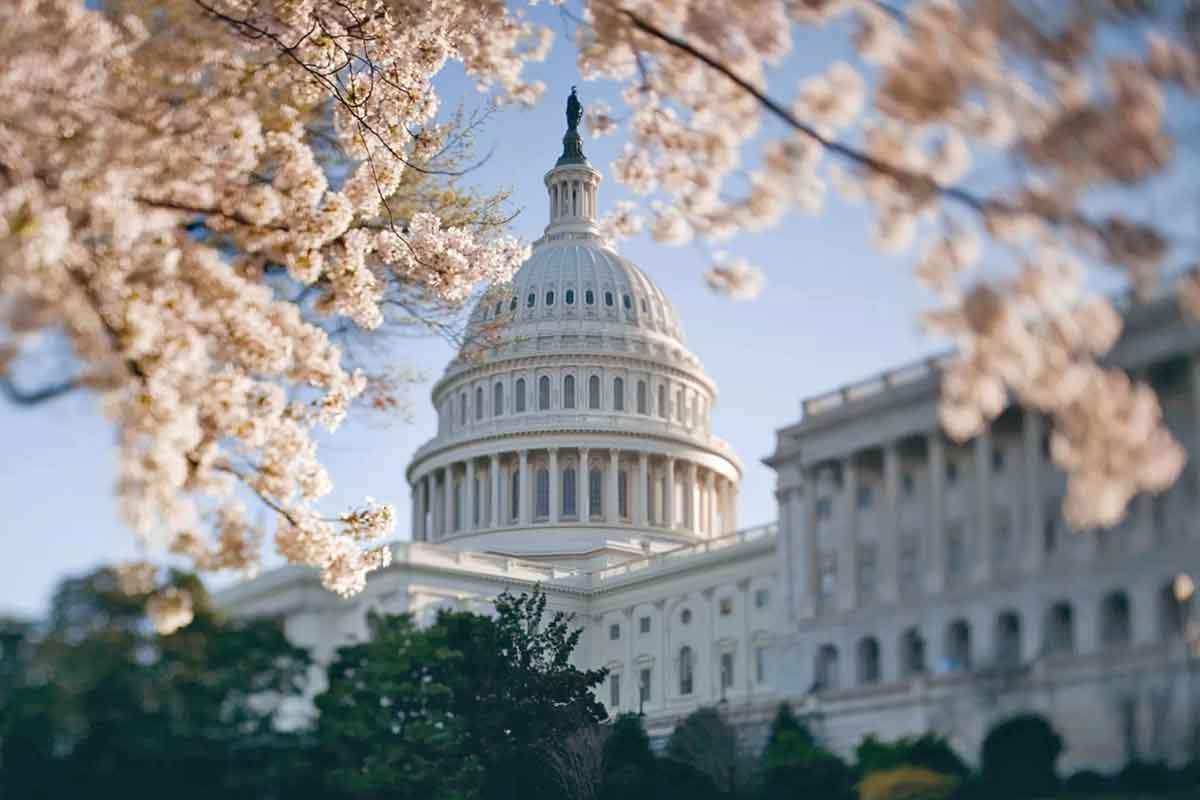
928,750
796,765
629,763
707,744
1018,757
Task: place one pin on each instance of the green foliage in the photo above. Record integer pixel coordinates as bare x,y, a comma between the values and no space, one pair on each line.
795,765
387,726
906,783
99,701
928,750
1018,757
629,764
707,744
517,691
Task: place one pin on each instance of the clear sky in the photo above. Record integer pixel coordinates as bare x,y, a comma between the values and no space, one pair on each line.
833,310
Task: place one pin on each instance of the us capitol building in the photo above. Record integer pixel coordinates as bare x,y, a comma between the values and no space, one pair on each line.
911,584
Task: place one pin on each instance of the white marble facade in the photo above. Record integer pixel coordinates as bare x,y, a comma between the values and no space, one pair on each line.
910,584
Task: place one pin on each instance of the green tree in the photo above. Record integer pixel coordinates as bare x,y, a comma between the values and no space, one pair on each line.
796,765
708,744
1018,757
629,764
927,750
106,704
386,724
516,690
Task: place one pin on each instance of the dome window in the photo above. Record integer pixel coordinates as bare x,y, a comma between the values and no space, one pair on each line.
530,300
570,297
589,297
512,306
644,311
608,299
499,307
550,298
628,301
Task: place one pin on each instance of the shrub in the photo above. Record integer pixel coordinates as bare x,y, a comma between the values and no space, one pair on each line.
1018,757
795,765
928,750
1087,782
906,783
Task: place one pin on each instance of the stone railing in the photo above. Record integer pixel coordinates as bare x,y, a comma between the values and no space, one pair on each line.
875,385
669,557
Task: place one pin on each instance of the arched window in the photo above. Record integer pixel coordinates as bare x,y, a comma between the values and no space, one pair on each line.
825,673
595,492
686,670
958,646
458,505
618,394
568,492
476,501
662,401
570,297
868,660
550,298
542,509
569,391
628,302
530,300
498,399
642,408
1174,599
594,391
512,304
1060,628
1116,628
589,297
478,402
608,299
544,393
623,493
912,653
679,405
499,307
1008,640
519,399
462,408
515,499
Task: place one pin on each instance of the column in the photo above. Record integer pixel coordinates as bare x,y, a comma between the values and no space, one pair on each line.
847,560
494,474
611,510
747,651
984,549
523,489
469,511
581,486
889,534
669,492
807,527
448,491
710,516
423,500
1194,450
643,492
1033,548
413,532
935,578
734,488
692,503
554,481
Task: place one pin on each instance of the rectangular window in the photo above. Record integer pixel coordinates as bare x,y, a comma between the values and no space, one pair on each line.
644,624
614,632
824,508
623,494
726,670
866,496
762,598
595,489
726,606
760,664
998,460
644,685
614,689
907,484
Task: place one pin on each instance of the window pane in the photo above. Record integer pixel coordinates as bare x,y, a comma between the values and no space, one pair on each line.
568,497
622,493
641,398
618,394
594,391
595,481
544,393
569,391
519,400
543,492
498,399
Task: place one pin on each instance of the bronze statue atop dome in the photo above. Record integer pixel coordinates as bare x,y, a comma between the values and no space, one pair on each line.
572,142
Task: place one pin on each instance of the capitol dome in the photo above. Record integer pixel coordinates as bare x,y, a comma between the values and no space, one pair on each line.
574,423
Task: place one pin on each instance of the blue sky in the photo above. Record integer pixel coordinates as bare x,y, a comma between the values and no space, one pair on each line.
833,310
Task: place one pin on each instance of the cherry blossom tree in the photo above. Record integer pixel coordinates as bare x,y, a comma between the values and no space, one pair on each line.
1073,94
126,128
